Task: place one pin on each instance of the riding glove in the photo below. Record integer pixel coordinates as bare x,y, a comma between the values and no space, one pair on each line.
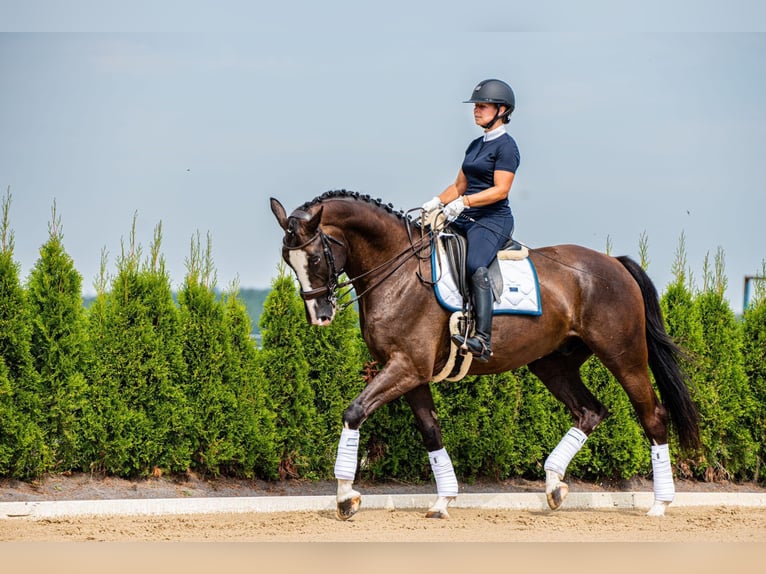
432,204
453,209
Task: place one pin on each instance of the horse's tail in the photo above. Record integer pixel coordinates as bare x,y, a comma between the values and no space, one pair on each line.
663,360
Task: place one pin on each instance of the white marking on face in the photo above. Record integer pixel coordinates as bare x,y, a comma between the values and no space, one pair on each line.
299,261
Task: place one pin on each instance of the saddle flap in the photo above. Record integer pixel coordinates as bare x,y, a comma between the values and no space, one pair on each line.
455,249
496,279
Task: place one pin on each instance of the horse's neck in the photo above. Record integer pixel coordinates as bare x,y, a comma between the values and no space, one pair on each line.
372,239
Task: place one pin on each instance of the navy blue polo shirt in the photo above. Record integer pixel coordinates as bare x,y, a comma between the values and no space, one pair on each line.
482,158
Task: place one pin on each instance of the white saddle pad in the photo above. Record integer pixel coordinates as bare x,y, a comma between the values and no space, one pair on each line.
521,290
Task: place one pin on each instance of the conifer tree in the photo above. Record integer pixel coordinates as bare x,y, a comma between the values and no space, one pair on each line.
211,401
681,318
285,369
754,352
23,450
684,324
253,425
726,402
58,347
138,376
12,423
96,435
233,430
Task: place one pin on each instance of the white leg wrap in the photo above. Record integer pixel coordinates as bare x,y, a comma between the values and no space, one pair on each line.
664,488
441,465
562,455
348,447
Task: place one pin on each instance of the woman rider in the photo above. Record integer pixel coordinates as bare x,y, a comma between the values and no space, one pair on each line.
477,203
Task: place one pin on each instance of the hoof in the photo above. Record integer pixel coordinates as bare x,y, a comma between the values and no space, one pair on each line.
658,508
347,508
557,496
443,514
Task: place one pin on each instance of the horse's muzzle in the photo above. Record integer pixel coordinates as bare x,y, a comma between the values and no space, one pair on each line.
319,312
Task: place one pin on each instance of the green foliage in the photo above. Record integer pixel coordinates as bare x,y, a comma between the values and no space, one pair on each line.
230,430
754,356
541,421
252,424
58,338
138,370
684,325
24,451
285,369
725,400
205,351
478,416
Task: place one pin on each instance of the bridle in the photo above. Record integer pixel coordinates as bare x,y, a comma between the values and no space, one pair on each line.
333,284
329,257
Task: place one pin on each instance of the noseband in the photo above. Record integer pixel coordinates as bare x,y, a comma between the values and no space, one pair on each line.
332,283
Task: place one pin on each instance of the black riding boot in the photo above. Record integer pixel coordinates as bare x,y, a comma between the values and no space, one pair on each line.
479,344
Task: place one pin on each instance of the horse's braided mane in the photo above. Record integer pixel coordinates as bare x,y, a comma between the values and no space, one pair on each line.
343,193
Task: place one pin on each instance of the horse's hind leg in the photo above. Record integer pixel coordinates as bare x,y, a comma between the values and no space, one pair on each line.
561,375
421,402
654,420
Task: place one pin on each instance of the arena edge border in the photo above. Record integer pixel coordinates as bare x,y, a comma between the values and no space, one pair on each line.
514,501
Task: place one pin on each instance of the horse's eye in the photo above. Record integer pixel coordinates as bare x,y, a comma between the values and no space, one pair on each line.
314,260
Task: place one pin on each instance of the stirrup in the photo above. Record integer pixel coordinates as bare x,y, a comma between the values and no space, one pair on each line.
486,352
482,355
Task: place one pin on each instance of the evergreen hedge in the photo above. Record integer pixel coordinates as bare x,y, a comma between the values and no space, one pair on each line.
138,384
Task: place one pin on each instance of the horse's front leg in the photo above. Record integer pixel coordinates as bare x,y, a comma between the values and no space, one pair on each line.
421,402
396,378
348,500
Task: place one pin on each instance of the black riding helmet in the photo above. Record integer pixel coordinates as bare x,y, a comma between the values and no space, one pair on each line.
494,92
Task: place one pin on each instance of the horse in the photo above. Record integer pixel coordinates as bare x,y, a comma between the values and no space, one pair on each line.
594,304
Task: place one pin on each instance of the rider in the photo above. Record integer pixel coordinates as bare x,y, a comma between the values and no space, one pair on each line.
477,203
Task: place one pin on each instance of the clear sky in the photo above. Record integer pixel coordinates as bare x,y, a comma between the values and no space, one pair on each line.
648,118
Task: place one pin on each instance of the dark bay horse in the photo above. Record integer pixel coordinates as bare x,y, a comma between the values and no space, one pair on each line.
592,304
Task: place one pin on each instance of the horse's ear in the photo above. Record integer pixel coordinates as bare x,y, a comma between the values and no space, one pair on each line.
313,223
279,213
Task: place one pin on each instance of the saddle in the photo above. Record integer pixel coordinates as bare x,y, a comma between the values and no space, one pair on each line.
455,249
